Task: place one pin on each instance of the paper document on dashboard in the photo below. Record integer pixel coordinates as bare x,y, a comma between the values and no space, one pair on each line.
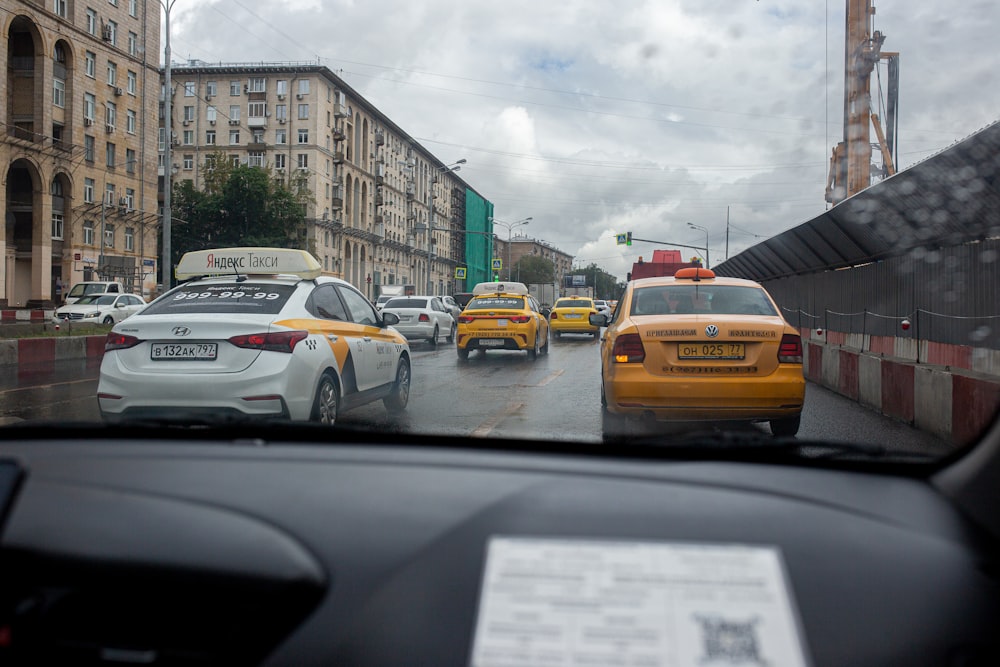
578,603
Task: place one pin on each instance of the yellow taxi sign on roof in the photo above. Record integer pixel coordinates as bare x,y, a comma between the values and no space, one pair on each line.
248,261
500,288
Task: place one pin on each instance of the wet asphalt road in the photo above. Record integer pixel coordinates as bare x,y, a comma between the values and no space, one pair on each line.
499,394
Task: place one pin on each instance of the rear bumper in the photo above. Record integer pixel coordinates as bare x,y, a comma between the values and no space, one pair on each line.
632,391
572,326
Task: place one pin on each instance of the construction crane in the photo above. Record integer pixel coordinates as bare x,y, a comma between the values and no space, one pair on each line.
851,168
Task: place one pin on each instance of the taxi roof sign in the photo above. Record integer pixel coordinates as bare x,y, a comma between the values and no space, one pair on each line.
248,261
500,288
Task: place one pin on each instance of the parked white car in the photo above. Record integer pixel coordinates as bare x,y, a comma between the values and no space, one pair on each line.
103,308
422,318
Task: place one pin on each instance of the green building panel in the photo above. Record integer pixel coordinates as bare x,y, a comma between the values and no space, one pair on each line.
478,240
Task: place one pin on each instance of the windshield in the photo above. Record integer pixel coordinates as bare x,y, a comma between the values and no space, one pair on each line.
836,182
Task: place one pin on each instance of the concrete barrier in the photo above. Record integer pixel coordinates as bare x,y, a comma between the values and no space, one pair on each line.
955,404
18,351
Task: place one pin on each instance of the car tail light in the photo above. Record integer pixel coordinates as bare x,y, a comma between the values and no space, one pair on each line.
628,349
424,317
554,315
117,341
466,319
521,319
790,350
278,341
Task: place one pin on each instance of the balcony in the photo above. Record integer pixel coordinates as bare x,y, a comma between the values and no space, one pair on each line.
338,157
338,135
257,121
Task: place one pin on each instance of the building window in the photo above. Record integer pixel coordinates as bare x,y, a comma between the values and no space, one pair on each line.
234,112
188,162
188,137
88,190
303,136
211,114
303,86
111,114
133,44
109,236
281,111
303,160
211,88
130,160
281,86
234,88
88,147
89,106
258,136
112,74
162,139
234,137
190,88
280,137
57,225
91,21
130,199
113,3
130,120
256,159
129,239
279,161
210,138
132,82
256,85
88,232
256,110
110,153
112,29
303,111
188,113
133,8
59,93
59,7
90,64
234,160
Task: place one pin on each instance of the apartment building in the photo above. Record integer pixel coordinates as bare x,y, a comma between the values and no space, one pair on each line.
79,146
526,246
383,209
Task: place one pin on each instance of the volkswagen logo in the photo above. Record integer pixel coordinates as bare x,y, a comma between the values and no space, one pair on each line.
181,331
711,331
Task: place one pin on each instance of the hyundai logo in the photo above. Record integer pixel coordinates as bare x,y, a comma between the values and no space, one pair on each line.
711,331
181,331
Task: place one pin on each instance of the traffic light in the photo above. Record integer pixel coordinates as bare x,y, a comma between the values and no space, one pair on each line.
628,239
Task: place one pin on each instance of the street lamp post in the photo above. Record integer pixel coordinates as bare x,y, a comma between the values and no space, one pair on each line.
693,226
167,268
454,166
509,226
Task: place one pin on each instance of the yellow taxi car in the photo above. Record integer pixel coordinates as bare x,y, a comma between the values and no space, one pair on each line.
696,347
502,316
571,314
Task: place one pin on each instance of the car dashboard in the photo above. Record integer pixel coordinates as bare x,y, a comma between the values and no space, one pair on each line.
372,552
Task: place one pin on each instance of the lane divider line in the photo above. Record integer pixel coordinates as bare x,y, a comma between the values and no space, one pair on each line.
487,426
551,377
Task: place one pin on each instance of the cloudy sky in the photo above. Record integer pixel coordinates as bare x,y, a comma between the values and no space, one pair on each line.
597,117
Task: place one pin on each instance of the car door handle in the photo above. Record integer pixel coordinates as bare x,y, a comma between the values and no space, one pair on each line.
332,337
367,339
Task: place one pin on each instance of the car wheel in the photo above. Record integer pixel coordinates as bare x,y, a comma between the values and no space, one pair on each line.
108,319
545,346
786,428
396,401
558,334
533,352
433,340
327,402
463,354
451,335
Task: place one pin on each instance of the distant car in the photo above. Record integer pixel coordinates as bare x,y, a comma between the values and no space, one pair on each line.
571,314
696,348
287,343
603,306
92,288
382,300
452,306
103,308
422,318
503,316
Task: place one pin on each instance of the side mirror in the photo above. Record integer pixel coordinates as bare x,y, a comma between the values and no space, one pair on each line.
389,319
598,320
546,312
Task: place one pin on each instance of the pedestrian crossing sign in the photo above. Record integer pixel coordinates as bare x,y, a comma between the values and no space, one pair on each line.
497,263
460,272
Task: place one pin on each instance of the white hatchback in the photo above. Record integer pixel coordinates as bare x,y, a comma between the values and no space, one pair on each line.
287,343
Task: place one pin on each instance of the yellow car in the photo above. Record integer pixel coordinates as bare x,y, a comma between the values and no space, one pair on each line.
695,347
571,314
502,316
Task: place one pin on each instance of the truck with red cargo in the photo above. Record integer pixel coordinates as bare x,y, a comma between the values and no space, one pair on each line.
665,263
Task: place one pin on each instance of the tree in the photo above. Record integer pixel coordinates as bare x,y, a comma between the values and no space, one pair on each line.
606,285
535,269
240,206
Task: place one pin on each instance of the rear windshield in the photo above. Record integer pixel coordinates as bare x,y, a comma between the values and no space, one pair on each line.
687,299
406,303
496,302
223,298
574,303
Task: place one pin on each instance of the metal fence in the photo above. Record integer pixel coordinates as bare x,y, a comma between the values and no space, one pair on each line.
948,295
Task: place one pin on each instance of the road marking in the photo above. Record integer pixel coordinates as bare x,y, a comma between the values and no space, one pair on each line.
487,426
44,386
551,377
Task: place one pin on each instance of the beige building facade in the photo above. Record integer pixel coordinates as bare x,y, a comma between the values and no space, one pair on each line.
525,246
79,147
382,210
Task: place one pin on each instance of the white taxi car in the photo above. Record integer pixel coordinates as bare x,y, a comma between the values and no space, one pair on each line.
255,332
